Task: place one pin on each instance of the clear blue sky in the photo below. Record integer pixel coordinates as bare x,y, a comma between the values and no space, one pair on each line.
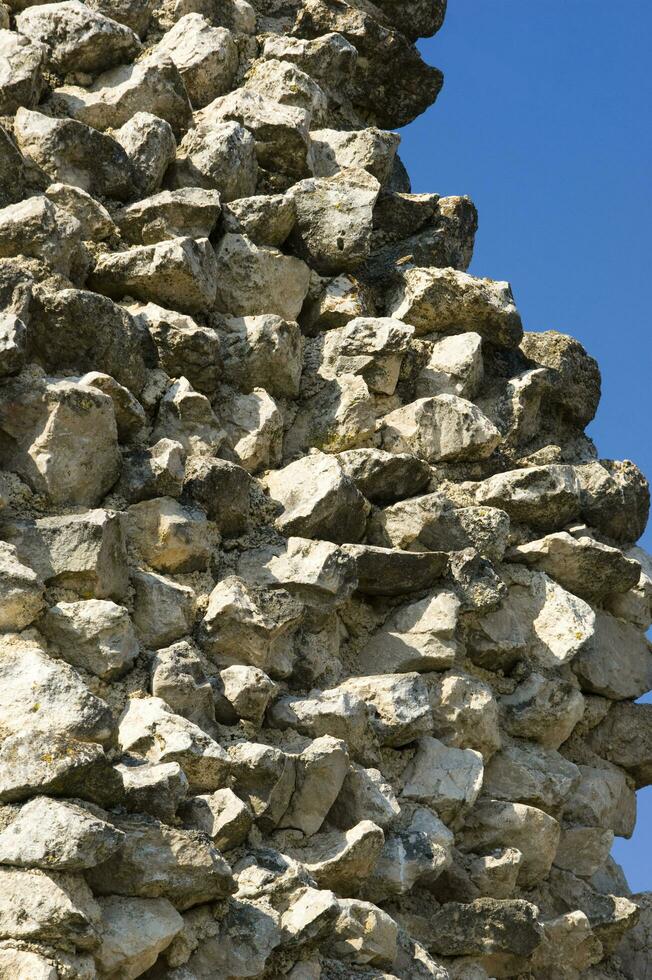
545,122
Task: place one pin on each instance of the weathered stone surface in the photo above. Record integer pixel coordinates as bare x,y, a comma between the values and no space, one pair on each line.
58,836
544,497
384,571
178,678
523,773
23,61
465,713
623,737
189,211
161,862
440,429
151,85
219,157
82,552
76,327
266,219
263,352
447,779
206,56
333,220
222,815
616,661
38,228
156,789
150,729
78,38
445,300
36,411
95,635
185,348
95,220
384,477
163,609
318,500
419,636
169,537
251,625
252,280
432,523
150,146
180,272
55,765
500,824
134,932
68,151
341,860
40,694
21,591
40,907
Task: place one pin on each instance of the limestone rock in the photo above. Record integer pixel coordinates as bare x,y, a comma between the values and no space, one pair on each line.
185,348
280,132
465,713
287,85
254,426
318,500
364,795
246,624
616,662
447,779
615,498
82,552
188,212
150,147
222,489
78,327
219,157
334,214
623,737
341,860
542,709
385,571
419,636
21,591
150,85
222,815
440,429
253,280
70,152
178,679
134,932
149,728
384,477
95,635
47,763
38,228
21,81
264,776
487,926
370,149
500,824
544,497
586,567
169,537
524,774
163,609
39,907
454,367
248,690
180,272
13,342
95,220
156,789
432,523
78,38
445,300
161,862
266,219
399,706
40,694
57,836
186,417
262,352
206,56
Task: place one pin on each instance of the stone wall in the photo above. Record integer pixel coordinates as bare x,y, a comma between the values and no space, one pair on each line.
323,622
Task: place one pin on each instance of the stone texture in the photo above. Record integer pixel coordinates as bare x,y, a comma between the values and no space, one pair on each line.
305,556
